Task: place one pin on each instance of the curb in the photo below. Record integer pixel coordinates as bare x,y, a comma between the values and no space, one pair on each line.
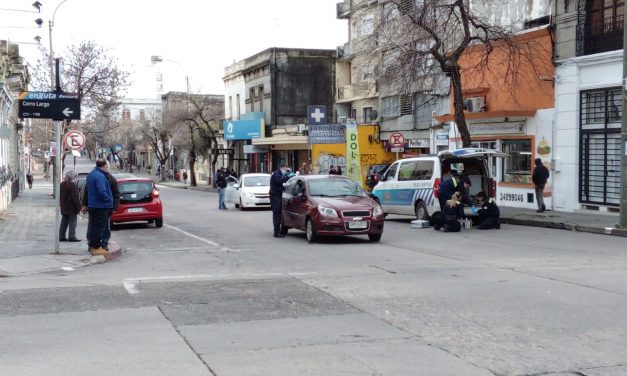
566,226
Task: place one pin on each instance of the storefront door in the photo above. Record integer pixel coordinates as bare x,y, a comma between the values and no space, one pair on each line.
600,159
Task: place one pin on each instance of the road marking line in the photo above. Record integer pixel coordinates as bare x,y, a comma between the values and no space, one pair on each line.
194,236
130,286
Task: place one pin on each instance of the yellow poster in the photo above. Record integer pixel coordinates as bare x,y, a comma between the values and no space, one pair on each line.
353,158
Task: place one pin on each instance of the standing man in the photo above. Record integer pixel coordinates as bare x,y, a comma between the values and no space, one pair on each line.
99,204
115,191
277,179
221,184
29,179
70,207
540,177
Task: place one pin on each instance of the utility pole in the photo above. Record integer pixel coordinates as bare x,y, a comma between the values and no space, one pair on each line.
623,195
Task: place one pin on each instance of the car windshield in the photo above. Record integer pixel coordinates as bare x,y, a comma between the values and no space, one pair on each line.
334,188
257,181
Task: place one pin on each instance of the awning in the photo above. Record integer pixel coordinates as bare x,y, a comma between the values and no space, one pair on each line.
488,115
284,142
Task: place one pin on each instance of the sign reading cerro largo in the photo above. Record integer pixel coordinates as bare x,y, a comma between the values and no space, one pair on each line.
55,105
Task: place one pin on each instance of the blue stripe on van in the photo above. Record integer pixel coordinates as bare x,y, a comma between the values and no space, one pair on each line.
405,196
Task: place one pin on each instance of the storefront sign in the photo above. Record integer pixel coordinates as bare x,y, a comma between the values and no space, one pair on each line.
253,149
419,143
497,128
222,151
353,158
243,129
327,134
441,138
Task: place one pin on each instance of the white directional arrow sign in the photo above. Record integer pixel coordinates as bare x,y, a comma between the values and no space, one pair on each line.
67,112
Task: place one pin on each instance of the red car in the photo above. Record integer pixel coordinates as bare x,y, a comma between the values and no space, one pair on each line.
330,205
139,201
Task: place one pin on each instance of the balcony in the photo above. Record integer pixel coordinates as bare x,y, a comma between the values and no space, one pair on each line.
600,35
343,9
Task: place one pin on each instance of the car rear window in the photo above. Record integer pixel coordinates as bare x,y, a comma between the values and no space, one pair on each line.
416,170
135,190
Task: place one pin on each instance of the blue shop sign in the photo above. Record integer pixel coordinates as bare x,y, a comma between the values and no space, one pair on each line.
243,129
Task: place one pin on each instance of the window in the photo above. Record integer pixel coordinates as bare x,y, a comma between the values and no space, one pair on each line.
238,109
367,114
126,114
390,174
517,168
230,107
142,115
368,72
390,106
406,104
415,170
600,26
367,24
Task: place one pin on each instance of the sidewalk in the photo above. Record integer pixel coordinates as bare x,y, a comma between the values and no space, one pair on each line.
606,224
27,236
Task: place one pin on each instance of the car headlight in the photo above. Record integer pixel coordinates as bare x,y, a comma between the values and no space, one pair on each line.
377,211
249,194
327,212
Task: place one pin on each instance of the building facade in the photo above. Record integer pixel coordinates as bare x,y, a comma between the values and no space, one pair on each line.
589,64
14,78
279,84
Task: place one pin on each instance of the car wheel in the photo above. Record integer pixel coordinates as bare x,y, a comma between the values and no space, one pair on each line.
310,230
421,211
159,222
374,237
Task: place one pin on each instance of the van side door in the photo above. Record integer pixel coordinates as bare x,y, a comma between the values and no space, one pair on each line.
384,190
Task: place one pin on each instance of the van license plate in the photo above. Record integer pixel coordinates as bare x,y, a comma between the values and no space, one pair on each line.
135,210
357,225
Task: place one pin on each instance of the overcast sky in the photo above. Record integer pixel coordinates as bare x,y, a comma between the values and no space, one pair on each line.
202,36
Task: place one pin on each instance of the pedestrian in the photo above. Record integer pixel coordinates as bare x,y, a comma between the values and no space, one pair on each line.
232,173
221,176
332,170
489,212
115,191
70,204
338,170
539,177
29,179
303,170
278,178
451,185
99,204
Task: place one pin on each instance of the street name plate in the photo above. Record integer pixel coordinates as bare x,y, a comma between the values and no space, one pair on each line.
55,105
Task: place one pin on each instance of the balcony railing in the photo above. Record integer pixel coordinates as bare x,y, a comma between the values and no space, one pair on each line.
596,36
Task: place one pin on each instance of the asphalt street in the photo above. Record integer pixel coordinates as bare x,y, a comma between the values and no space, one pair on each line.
213,293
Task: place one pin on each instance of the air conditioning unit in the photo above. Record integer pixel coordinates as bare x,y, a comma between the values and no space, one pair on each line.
302,129
475,104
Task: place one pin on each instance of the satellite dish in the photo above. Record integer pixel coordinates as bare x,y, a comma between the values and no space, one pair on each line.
374,115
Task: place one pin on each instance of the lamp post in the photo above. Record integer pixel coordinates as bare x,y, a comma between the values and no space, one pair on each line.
57,159
159,59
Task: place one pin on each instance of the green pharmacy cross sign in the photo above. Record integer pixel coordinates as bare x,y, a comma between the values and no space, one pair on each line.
55,105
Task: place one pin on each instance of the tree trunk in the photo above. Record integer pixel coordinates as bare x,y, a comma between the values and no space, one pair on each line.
458,101
192,171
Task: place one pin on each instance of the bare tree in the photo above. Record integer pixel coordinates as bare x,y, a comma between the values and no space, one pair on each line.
420,40
159,137
198,116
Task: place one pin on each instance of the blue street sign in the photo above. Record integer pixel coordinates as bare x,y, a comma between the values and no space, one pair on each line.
243,129
317,115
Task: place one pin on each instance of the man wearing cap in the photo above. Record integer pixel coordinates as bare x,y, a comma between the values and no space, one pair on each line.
278,178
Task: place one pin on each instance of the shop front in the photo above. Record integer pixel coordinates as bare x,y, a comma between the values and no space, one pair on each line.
524,139
284,147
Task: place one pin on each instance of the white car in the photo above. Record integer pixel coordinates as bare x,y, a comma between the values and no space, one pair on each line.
249,191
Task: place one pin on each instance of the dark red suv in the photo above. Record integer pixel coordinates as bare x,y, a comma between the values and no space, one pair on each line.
330,205
139,201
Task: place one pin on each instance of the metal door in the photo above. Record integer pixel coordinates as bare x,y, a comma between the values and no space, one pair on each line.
600,159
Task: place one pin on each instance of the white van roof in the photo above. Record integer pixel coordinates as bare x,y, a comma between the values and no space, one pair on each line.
471,153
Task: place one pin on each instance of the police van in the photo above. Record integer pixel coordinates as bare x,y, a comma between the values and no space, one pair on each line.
410,186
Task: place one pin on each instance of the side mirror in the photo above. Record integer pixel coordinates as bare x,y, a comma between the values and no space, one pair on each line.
236,186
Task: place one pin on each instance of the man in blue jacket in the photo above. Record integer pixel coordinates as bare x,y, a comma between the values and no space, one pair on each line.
99,203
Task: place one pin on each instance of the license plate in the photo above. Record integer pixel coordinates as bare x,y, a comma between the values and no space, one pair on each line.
357,225
135,210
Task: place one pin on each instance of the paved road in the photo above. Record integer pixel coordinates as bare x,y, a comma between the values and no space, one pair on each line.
213,293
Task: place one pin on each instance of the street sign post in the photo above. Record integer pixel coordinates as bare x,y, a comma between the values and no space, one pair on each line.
397,143
55,105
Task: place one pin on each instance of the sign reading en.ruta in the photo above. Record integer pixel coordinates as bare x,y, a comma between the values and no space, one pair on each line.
55,105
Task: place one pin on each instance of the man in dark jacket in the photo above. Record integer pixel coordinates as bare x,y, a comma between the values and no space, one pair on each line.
539,177
489,212
278,178
70,207
221,176
450,186
99,203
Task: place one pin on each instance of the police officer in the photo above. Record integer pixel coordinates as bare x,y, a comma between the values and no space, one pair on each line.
277,179
489,213
450,186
